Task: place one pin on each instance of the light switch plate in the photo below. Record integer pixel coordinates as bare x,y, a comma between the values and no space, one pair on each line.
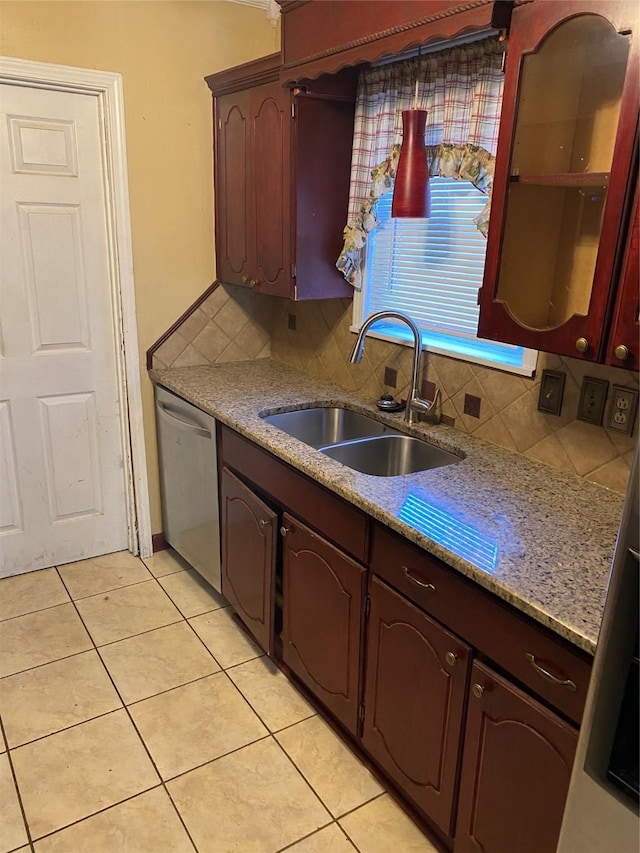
551,391
593,396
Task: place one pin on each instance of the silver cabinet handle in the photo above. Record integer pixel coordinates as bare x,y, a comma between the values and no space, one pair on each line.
561,682
264,523
451,658
416,581
284,530
182,424
478,691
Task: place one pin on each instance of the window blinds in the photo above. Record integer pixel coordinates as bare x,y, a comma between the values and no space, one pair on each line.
430,268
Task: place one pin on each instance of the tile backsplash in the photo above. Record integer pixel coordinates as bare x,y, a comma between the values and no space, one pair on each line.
232,324
236,324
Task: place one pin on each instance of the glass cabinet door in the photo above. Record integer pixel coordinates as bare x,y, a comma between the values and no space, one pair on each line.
563,175
565,131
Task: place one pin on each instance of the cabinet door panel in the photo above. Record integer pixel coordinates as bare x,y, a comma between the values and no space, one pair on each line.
414,701
624,339
323,592
271,187
248,557
232,225
515,771
561,175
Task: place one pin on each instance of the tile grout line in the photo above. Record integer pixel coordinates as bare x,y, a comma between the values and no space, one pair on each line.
17,789
141,739
125,706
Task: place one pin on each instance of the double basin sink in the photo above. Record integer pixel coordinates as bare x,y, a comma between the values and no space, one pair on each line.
360,442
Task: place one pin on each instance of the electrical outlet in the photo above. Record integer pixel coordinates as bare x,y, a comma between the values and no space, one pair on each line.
593,396
622,412
551,391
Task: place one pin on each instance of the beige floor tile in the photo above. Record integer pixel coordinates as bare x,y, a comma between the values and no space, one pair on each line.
382,826
55,696
252,801
198,722
165,563
12,829
30,592
331,839
156,661
146,824
226,641
340,780
41,637
128,611
191,594
100,574
75,773
270,694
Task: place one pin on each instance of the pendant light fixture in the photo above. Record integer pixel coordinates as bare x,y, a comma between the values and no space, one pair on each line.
411,188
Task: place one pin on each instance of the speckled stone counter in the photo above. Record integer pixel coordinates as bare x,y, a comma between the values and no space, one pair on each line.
539,539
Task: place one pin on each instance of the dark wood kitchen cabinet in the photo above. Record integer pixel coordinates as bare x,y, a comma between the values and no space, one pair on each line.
249,540
623,347
281,178
416,681
563,177
467,705
323,593
515,772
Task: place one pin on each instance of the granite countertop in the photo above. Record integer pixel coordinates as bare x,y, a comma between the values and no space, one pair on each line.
539,539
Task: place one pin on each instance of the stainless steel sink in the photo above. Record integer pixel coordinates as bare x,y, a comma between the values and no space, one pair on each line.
325,426
390,455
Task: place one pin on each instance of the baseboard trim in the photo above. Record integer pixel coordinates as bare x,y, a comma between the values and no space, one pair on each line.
158,542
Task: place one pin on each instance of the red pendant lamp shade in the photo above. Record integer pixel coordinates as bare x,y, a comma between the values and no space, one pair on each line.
411,189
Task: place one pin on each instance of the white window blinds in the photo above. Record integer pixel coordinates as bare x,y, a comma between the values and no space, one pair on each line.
432,269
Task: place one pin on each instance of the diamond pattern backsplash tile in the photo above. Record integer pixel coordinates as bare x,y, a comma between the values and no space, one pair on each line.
235,324
509,415
231,325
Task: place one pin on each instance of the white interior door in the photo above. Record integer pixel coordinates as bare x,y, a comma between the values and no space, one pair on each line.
62,481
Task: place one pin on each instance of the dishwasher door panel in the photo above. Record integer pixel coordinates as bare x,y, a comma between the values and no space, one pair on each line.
189,483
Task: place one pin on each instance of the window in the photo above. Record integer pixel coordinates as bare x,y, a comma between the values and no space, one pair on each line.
432,269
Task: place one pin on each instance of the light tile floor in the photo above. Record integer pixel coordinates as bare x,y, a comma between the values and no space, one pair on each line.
137,717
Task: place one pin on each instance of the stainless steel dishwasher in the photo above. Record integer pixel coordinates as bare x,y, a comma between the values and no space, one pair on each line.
189,483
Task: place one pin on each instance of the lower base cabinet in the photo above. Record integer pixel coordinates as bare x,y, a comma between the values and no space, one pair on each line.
416,681
323,593
385,637
249,539
515,772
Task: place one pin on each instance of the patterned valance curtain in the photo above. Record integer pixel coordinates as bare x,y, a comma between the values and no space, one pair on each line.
461,89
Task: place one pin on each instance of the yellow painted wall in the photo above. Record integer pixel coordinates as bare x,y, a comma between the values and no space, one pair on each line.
163,49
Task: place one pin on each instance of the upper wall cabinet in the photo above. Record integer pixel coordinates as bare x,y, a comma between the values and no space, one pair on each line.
623,347
324,37
563,177
282,162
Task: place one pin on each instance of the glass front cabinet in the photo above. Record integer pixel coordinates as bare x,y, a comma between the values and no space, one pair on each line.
565,176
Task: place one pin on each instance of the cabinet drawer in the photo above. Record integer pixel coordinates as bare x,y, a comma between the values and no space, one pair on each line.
336,519
535,656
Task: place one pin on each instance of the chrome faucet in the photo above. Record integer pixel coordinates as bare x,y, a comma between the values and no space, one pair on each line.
415,403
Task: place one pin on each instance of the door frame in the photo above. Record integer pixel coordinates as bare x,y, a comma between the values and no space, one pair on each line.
106,87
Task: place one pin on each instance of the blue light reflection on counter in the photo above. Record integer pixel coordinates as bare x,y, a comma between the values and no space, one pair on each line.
447,528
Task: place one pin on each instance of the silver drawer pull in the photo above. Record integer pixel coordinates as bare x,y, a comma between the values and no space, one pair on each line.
562,682
416,581
264,523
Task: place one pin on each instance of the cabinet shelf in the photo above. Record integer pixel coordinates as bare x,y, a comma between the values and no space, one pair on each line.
565,179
